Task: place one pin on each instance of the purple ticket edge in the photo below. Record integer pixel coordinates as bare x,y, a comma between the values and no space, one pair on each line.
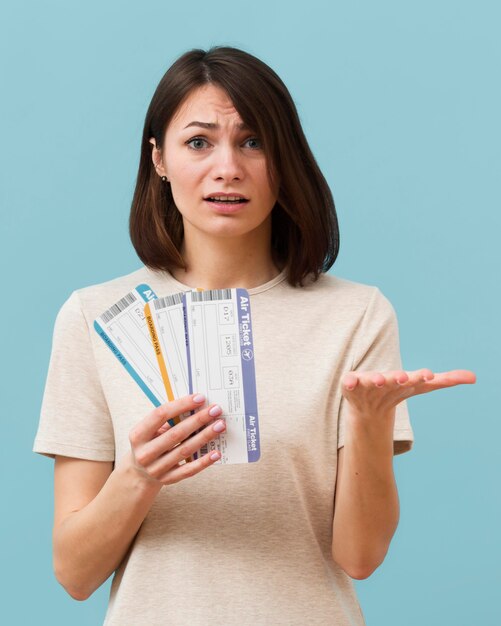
187,343
188,357
248,375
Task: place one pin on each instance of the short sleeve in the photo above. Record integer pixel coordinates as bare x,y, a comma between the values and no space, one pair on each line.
377,347
74,420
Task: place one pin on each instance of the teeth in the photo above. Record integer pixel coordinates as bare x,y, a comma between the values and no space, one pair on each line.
225,198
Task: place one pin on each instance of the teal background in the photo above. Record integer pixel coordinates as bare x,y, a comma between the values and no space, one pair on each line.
400,102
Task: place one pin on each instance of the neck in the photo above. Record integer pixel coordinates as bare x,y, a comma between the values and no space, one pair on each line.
220,263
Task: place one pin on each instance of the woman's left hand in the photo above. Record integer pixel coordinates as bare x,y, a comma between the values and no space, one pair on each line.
378,393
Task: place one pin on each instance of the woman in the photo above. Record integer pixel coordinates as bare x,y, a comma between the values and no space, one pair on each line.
229,195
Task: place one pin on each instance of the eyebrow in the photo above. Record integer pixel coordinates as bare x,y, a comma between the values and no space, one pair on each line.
210,125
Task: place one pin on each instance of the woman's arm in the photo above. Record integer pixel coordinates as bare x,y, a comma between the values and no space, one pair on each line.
366,504
98,511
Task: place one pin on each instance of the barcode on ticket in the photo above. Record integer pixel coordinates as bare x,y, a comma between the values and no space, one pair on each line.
211,294
118,307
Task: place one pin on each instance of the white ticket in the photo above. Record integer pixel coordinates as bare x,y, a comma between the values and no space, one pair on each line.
123,328
221,366
165,319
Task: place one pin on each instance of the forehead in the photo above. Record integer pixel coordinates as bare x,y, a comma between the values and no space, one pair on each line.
208,103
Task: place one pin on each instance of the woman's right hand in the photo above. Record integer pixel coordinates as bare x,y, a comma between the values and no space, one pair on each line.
158,450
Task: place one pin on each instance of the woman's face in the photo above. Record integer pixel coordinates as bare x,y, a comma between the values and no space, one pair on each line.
208,152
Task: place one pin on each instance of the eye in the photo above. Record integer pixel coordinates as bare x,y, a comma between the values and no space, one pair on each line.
200,143
197,143
256,143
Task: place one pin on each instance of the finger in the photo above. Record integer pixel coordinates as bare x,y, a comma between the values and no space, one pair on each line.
378,379
371,379
394,378
193,444
451,379
424,374
399,377
186,449
419,384
147,452
417,377
350,381
460,377
147,427
163,429
180,472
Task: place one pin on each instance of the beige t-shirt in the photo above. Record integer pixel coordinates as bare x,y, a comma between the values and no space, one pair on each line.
237,544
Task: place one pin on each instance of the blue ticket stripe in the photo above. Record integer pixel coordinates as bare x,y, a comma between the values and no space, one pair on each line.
146,292
104,336
248,375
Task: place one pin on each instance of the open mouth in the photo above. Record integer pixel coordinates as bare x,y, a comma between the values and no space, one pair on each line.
227,201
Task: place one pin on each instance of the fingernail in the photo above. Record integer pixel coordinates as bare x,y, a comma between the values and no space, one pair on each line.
215,410
219,426
215,456
199,398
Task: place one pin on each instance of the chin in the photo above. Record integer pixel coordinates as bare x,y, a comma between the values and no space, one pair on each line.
228,232
230,226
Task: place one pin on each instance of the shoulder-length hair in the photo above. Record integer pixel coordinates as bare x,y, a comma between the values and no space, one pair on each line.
305,232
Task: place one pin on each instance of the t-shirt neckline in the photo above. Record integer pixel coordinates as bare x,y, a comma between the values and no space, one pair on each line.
279,278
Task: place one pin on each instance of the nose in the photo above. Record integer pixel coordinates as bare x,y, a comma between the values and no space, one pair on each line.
228,164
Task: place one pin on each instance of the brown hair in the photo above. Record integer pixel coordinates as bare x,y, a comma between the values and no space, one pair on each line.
305,233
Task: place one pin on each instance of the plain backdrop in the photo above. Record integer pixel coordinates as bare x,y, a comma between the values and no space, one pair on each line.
400,102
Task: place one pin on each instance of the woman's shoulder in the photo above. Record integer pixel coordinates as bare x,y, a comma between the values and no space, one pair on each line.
115,288
333,281
91,300
353,297
331,285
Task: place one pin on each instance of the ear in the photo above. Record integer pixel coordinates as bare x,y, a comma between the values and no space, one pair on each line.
156,157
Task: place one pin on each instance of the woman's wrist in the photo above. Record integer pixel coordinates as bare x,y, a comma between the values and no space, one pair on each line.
137,479
371,433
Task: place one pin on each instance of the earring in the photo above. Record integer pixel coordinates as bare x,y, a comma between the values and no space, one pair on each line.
164,179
